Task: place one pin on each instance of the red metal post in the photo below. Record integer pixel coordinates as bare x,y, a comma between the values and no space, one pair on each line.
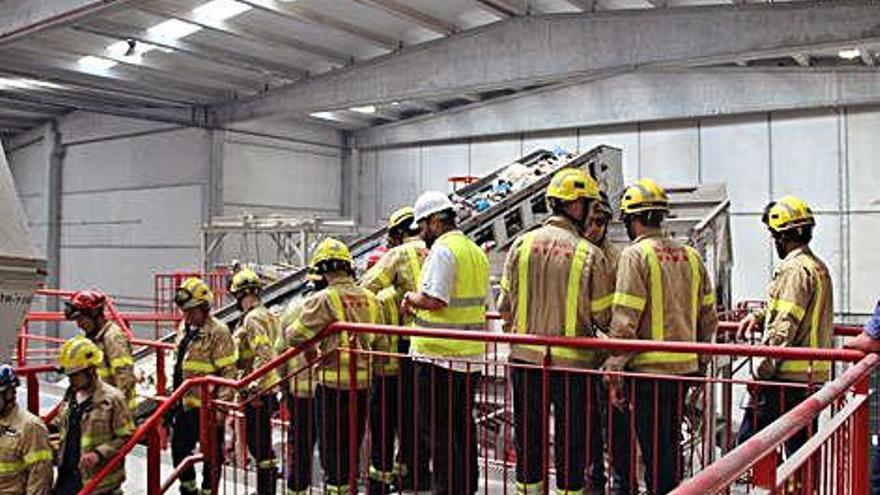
33,394
154,451
160,371
353,415
765,472
860,446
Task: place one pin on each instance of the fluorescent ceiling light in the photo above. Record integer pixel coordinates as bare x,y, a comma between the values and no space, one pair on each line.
24,83
96,63
122,49
173,29
369,109
849,54
221,10
323,115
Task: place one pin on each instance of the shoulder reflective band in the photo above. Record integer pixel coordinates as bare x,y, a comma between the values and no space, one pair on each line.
415,265
336,304
522,295
815,321
373,308
787,308
696,285
574,287
656,281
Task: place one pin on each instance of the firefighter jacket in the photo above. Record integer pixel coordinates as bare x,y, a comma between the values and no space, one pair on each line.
211,352
255,343
25,455
663,293
799,313
389,314
105,426
342,300
555,283
400,268
612,256
298,373
118,366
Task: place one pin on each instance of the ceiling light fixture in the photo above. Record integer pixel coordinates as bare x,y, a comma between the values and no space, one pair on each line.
323,115
90,62
369,109
220,10
849,54
25,83
173,29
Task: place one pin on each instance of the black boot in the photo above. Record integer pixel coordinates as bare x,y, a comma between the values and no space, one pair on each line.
266,481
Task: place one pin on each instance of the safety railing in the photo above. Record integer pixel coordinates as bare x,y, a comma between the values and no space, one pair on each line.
834,460
488,421
166,283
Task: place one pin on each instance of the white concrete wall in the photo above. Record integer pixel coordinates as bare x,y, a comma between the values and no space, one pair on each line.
828,157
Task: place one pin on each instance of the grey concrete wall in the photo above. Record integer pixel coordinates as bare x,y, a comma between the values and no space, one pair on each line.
134,193
825,156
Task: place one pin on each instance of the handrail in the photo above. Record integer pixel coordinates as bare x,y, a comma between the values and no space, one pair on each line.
623,345
722,473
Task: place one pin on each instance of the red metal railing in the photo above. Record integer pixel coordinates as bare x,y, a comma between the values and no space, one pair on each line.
834,460
488,440
165,284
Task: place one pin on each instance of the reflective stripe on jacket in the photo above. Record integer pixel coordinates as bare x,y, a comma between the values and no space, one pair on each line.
342,300
255,345
25,455
212,352
389,312
663,293
555,283
467,306
800,311
400,268
300,379
118,366
105,428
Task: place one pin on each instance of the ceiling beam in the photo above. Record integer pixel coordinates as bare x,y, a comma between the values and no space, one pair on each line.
523,51
14,105
300,13
585,5
658,4
411,14
230,28
867,57
802,59
23,18
502,8
639,97
216,55
19,124
423,105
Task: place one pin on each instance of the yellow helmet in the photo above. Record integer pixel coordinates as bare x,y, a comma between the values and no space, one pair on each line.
788,213
570,184
644,195
193,292
79,353
401,217
330,249
245,280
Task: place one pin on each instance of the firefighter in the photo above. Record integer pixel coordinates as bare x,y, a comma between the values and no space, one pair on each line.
299,398
799,313
396,273
453,293
94,422
86,308
618,439
204,346
255,343
25,455
555,283
663,293
343,377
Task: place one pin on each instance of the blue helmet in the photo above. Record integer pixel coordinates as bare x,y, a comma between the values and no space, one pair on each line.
8,378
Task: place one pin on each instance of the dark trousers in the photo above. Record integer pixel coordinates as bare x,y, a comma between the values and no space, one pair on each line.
384,409
184,438
447,401
610,429
415,429
301,437
875,472
568,395
772,402
258,425
334,410
659,407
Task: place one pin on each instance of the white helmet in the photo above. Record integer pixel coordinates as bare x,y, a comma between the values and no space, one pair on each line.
429,203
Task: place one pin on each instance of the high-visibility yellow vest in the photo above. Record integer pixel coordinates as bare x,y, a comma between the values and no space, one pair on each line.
466,309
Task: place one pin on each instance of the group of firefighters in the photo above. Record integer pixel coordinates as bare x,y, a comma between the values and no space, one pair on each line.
562,279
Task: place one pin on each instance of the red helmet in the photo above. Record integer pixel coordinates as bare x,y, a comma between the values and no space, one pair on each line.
88,302
375,255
